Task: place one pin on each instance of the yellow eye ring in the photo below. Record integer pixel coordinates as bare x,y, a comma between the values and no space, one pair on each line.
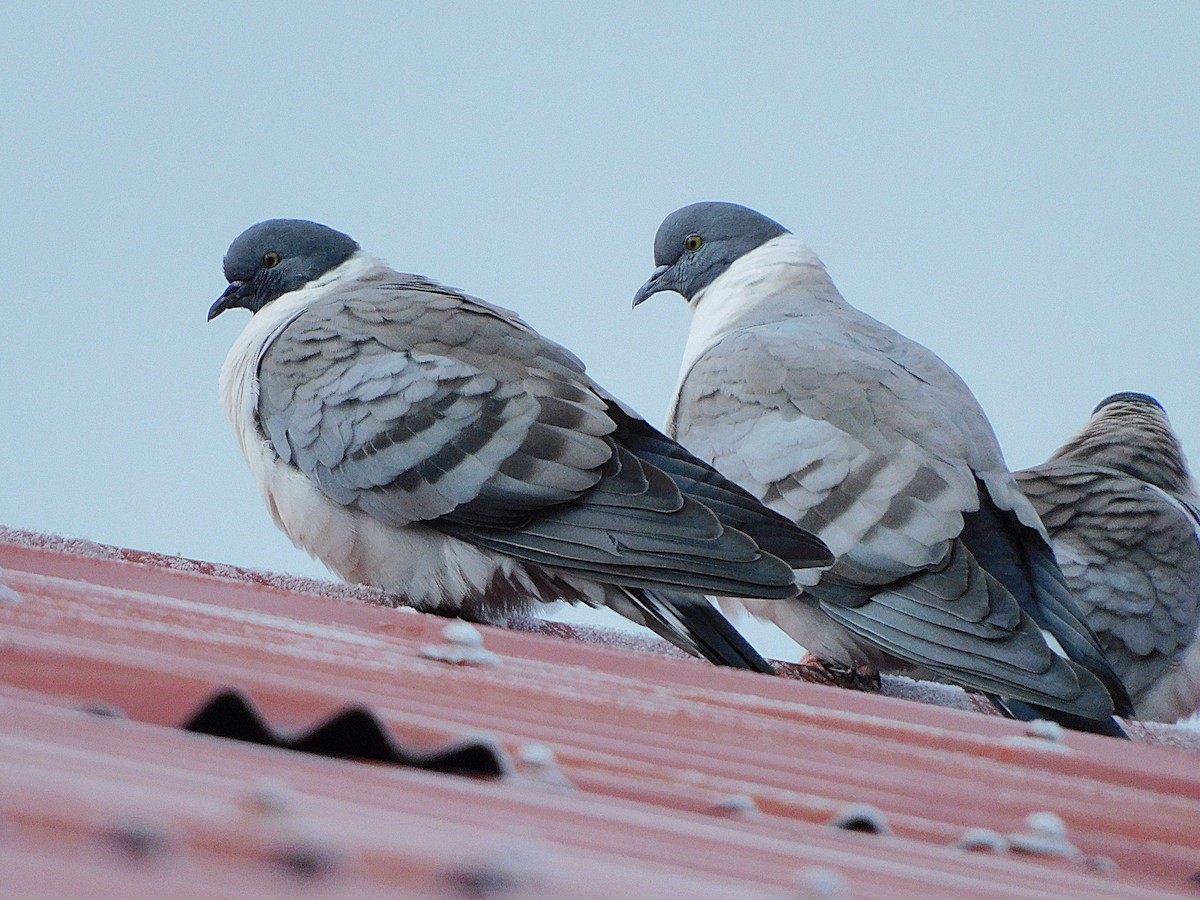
693,242
271,259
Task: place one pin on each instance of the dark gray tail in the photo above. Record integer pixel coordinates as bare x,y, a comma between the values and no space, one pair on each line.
1024,563
733,505
693,624
1027,712
1062,617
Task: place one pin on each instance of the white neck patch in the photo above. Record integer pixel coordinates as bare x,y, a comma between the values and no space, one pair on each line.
239,375
783,261
285,306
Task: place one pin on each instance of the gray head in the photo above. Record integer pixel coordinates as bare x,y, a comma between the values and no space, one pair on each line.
697,243
1127,397
1130,432
274,257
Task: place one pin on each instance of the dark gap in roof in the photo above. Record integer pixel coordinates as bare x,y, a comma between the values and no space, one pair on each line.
354,733
866,826
861,817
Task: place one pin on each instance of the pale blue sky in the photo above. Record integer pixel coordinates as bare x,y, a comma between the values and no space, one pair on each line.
1014,185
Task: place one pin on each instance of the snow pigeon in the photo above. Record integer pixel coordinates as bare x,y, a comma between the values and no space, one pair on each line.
420,440
873,443
1124,517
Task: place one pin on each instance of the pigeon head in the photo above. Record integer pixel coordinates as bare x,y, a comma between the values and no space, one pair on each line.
697,243
1127,397
1130,432
274,257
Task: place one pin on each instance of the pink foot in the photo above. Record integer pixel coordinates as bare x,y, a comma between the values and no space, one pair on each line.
815,670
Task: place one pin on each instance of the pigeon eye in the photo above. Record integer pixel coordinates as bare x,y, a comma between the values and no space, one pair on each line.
693,242
271,259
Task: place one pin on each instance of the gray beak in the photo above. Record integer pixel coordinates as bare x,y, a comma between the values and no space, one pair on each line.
230,299
660,280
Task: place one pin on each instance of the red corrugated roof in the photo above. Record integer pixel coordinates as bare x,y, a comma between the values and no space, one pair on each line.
671,778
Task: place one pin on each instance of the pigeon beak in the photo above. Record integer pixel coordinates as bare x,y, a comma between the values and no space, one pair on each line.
230,299
659,281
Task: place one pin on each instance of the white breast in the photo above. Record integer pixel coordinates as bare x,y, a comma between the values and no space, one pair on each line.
326,530
732,298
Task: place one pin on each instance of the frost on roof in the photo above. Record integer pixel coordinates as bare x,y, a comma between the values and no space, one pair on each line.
1183,735
293,583
640,642
948,695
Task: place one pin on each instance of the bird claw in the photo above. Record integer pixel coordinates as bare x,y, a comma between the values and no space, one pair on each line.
813,669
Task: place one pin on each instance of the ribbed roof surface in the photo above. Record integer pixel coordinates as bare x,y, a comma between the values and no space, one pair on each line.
626,774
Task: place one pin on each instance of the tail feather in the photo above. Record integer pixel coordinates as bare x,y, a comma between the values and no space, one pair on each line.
1061,616
733,505
693,624
1024,563
1027,712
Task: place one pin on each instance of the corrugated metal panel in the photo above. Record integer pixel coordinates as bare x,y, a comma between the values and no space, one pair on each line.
672,777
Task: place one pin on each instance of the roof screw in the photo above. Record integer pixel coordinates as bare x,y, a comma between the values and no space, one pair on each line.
1047,836
538,762
138,840
1045,730
8,595
536,756
822,884
306,858
463,634
104,710
861,817
1047,824
463,647
983,840
482,881
738,806
271,797
1101,864
505,869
